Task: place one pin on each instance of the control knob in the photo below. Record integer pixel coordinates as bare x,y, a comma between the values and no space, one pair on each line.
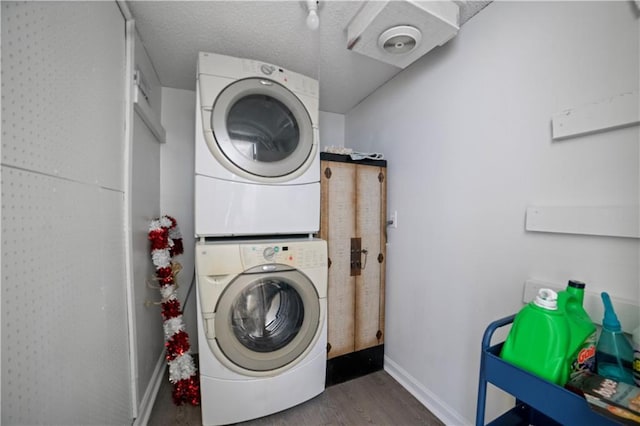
267,69
269,253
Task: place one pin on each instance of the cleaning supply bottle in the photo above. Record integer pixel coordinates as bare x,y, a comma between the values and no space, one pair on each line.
614,354
636,355
539,339
583,333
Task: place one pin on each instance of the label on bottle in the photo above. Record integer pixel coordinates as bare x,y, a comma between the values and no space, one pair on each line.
585,356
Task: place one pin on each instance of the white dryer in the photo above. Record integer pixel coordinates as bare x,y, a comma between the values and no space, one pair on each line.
262,332
257,164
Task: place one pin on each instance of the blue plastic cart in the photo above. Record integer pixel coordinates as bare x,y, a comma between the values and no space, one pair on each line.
538,402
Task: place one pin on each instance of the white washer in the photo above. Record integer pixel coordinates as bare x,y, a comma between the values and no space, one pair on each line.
262,332
257,162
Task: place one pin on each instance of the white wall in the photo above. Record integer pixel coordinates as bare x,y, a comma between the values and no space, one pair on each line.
177,160
145,206
331,129
65,348
466,131
148,336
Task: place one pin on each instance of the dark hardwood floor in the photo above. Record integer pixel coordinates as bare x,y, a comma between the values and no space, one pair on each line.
374,399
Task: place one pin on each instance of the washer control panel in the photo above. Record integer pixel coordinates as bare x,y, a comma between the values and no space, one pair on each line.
299,254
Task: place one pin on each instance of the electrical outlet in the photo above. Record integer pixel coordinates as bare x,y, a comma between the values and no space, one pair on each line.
394,219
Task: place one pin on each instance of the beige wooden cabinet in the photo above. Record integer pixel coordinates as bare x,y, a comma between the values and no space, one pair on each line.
353,221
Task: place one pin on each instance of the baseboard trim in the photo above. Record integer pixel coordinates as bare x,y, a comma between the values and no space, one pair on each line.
439,408
149,398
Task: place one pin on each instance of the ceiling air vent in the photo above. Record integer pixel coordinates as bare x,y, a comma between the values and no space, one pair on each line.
400,40
400,31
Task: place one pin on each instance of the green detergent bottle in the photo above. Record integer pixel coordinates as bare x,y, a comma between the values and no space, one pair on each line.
583,334
539,338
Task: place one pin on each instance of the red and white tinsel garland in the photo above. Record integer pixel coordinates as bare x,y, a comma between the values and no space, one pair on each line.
166,242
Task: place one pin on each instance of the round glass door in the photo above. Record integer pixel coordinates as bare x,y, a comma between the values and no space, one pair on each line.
262,128
265,321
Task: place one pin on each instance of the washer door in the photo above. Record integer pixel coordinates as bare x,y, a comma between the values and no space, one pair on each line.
264,321
261,128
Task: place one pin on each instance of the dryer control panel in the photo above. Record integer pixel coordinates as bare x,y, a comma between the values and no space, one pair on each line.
294,81
298,254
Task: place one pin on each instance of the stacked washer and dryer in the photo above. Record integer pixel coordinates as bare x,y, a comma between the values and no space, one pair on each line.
261,277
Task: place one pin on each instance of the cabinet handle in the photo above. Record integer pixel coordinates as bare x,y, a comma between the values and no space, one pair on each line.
364,263
357,264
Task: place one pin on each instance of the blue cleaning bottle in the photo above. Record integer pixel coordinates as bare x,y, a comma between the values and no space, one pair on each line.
614,353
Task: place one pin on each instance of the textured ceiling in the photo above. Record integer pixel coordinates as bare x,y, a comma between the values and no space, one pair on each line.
173,33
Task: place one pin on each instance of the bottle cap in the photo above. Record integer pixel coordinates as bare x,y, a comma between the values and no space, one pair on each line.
576,284
547,299
610,321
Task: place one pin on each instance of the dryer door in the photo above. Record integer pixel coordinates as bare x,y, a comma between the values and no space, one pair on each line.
265,321
261,128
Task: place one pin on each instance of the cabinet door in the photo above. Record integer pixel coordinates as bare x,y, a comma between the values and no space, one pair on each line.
369,286
337,227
